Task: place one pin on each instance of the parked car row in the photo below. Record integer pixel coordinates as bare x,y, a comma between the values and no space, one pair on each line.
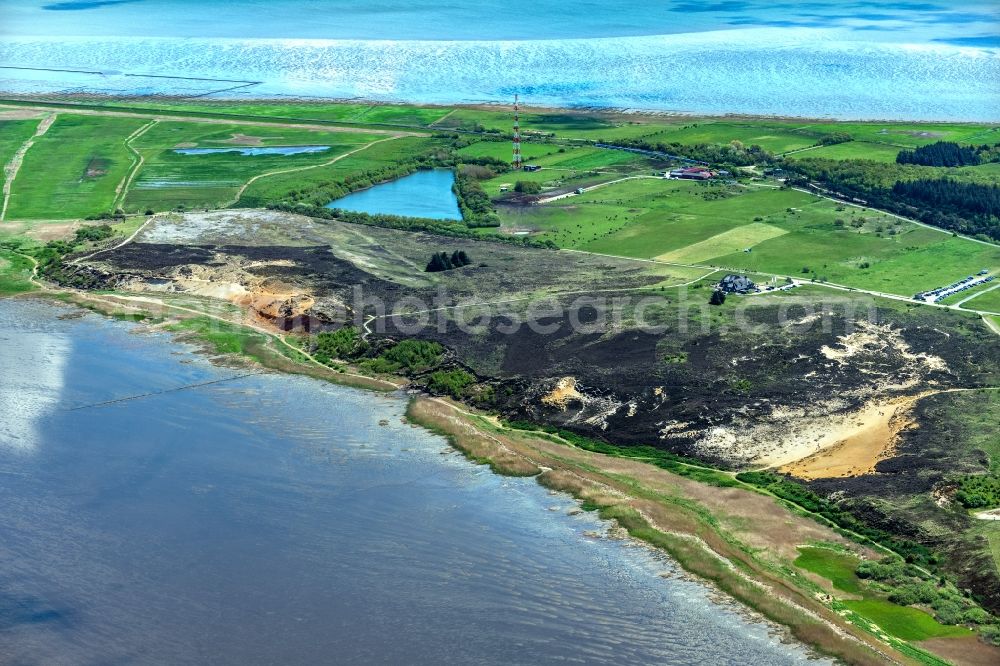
935,295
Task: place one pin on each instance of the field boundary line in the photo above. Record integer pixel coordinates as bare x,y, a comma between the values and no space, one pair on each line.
243,188
12,168
122,190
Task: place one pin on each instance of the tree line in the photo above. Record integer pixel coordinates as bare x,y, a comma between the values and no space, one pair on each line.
949,154
734,153
908,190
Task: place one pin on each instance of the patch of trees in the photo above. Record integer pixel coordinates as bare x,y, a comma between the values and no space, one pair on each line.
834,138
906,585
441,261
978,491
908,190
797,494
718,297
476,206
438,227
94,233
527,187
734,153
117,215
344,343
976,200
450,382
52,264
949,154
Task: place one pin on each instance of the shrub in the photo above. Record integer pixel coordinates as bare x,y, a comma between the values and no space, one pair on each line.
450,382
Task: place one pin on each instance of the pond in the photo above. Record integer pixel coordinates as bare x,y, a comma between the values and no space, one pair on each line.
254,150
422,194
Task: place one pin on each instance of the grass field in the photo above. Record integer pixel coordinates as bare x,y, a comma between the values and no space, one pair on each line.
835,566
13,133
852,150
989,301
910,624
379,156
168,179
789,233
15,272
73,169
350,113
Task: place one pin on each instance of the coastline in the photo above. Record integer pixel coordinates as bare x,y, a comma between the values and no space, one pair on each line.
653,505
107,102
714,532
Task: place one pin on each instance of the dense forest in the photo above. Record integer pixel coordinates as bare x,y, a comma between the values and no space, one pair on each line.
949,154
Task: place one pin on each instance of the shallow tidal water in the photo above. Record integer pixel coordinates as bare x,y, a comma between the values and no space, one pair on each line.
862,59
272,519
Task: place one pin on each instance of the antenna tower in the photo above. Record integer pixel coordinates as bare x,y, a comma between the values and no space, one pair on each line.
516,162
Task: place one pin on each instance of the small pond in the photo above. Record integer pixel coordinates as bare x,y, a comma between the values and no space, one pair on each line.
254,150
422,194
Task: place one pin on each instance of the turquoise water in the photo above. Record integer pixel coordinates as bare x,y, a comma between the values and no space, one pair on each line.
422,194
249,151
859,60
161,510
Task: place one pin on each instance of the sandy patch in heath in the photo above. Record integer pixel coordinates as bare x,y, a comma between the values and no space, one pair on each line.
857,445
563,394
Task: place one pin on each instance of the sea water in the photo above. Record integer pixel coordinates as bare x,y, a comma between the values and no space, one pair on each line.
158,509
857,60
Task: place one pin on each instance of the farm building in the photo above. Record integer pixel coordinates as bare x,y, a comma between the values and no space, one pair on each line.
692,173
736,284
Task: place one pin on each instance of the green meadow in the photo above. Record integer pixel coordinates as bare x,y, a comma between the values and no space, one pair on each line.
168,179
73,169
906,623
13,134
756,229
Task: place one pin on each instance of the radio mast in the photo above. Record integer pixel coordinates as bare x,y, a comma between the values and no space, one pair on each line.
516,162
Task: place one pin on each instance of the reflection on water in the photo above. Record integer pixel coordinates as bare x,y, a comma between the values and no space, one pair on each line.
422,194
250,151
271,519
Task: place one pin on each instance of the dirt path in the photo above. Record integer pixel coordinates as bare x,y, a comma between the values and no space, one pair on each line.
991,324
152,115
14,166
574,193
122,190
239,193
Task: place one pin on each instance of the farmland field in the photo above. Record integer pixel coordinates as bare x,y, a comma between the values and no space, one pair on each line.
13,133
74,168
169,179
787,232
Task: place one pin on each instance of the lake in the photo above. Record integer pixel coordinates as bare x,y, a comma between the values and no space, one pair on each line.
421,194
162,510
254,150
